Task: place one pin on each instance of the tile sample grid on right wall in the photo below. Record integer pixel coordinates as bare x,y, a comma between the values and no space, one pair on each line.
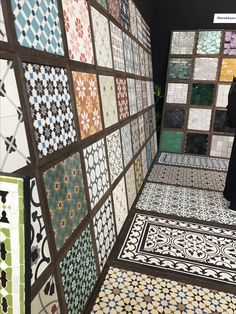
201,67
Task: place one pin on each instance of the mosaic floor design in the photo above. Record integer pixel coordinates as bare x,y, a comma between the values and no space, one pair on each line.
184,247
131,292
186,202
213,163
199,178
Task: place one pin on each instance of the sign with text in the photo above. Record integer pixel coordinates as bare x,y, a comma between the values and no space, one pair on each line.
225,18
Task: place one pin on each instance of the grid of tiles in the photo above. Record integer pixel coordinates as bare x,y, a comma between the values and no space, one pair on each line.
70,122
201,67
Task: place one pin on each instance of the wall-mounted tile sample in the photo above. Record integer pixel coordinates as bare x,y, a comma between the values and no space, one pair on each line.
139,95
114,155
12,266
174,117
135,135
47,299
199,119
208,42
142,61
13,141
79,278
171,141
117,47
177,93
138,172
196,143
66,197
126,144
220,122
139,26
114,8
130,185
228,69
78,30
133,18
103,3
128,51
149,96
180,68
40,255
101,39
205,69
3,34
221,146
149,154
144,94
52,114
122,98
202,94
137,69
230,43
132,96
182,42
144,162
104,228
141,130
87,103
108,99
120,204
124,14
38,25
96,170
222,95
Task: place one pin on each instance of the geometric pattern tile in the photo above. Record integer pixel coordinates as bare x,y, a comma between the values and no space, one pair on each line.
209,42
136,58
196,143
78,271
117,47
132,96
205,69
133,18
38,25
66,197
138,172
222,95
182,42
46,301
142,61
180,246
40,255
184,160
3,34
96,170
139,95
199,119
122,98
230,43
129,60
126,144
186,202
221,146
114,155
13,141
104,228
124,12
141,129
101,39
144,94
183,176
132,292
78,30
180,68
144,162
87,102
171,141
228,70
114,8
149,154
130,185
135,135
177,93
50,101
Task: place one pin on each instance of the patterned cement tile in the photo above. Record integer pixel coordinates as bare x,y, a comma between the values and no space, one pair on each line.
132,292
3,34
186,160
186,202
199,178
180,246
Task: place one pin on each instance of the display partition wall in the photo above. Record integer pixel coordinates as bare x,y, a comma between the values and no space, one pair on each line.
201,67
78,119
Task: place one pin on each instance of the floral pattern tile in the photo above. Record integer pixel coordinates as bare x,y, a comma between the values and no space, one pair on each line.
209,42
135,135
114,9
132,292
87,102
124,14
40,255
78,30
114,155
182,42
122,98
47,299
205,69
102,40
199,119
120,204
13,141
221,146
38,26
133,18
222,95
79,279
139,95
108,99
230,43
126,144
105,234
3,33
66,197
117,47
129,60
130,185
138,172
177,93
132,96
51,108
96,170
137,69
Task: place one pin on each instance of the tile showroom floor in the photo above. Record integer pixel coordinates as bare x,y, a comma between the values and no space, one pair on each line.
177,250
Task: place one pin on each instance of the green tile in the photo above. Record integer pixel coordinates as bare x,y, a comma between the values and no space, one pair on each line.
171,141
202,94
180,68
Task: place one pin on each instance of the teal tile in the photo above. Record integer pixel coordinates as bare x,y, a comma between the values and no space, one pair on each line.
202,94
209,42
180,68
171,141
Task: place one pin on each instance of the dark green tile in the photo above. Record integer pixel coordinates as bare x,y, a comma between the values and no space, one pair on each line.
202,94
171,141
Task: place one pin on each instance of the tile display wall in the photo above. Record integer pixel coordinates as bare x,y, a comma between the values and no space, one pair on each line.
76,117
201,67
